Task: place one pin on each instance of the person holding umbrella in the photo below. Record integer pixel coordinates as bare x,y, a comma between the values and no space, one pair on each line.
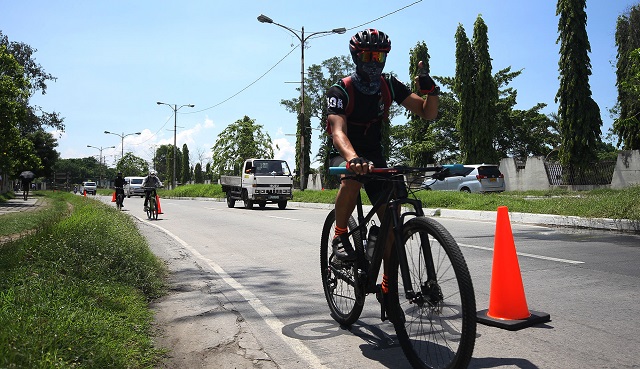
26,177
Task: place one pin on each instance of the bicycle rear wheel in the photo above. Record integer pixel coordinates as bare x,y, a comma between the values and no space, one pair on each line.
437,326
340,281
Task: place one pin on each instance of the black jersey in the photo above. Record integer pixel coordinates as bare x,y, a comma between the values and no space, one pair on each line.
364,124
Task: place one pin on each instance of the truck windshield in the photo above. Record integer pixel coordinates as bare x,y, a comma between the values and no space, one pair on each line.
271,168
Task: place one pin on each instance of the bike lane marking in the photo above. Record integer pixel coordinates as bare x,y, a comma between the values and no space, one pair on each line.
542,257
265,313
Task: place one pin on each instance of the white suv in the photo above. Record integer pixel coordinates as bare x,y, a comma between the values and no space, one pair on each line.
469,178
133,186
89,187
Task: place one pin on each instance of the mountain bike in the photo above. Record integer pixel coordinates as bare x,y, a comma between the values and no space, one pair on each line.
152,208
119,197
430,298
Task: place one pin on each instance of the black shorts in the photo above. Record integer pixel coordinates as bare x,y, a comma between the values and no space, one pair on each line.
374,189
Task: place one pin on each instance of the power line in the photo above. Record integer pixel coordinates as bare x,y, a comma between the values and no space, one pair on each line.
289,53
249,85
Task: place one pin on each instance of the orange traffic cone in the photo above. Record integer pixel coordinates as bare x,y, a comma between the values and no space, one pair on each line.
507,302
84,193
113,198
158,204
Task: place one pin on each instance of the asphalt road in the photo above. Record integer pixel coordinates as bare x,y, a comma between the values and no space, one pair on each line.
266,264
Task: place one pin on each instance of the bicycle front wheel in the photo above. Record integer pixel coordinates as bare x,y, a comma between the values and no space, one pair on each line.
341,282
436,324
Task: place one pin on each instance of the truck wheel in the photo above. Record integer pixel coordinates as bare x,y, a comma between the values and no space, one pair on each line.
282,205
230,202
248,204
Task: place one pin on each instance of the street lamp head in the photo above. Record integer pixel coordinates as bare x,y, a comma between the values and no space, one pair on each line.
339,30
191,105
138,133
159,103
107,132
264,19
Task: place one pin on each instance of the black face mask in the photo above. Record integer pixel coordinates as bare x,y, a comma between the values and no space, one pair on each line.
367,77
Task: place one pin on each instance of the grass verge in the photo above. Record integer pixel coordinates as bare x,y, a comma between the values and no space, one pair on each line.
75,293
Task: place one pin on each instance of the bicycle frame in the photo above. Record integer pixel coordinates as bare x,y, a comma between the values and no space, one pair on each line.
391,216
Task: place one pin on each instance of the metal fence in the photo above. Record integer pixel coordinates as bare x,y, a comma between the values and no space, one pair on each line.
599,173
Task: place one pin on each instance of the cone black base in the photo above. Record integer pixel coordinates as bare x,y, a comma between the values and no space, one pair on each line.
513,324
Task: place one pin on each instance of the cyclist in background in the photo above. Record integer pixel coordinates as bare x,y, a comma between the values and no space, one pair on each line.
150,183
357,138
119,183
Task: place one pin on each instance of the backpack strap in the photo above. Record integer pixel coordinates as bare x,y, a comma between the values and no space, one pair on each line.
386,88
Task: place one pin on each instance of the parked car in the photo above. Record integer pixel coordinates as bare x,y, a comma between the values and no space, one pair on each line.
469,178
90,187
133,186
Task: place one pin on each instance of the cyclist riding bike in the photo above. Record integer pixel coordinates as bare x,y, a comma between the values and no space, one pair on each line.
119,183
357,133
150,183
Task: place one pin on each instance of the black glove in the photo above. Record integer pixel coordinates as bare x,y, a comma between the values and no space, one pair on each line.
427,84
358,160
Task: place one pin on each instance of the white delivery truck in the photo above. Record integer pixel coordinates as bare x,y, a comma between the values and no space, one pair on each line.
262,181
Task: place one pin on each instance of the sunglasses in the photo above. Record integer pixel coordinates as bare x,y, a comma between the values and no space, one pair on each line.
369,56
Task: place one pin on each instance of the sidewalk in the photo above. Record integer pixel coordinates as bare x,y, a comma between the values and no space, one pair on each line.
18,205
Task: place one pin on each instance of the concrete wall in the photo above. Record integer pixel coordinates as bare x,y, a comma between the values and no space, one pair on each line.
532,177
627,172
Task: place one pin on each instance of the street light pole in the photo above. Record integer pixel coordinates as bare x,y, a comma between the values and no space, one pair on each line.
122,136
175,109
100,159
301,119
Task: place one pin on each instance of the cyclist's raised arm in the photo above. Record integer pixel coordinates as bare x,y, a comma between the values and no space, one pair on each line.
426,108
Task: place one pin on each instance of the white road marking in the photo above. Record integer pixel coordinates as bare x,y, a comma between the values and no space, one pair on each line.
273,216
267,315
525,254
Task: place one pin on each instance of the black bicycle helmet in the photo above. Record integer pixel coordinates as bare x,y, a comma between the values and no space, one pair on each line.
369,40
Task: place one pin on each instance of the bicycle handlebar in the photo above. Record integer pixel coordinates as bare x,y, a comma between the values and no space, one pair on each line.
397,170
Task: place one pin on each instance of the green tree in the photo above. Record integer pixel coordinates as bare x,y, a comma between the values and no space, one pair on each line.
78,169
44,146
464,88
164,163
627,125
415,140
32,118
485,99
239,141
14,92
185,167
198,174
579,114
131,165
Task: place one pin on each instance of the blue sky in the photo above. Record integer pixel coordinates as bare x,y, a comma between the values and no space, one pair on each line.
115,59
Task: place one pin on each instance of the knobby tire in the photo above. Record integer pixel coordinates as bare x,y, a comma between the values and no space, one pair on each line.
438,328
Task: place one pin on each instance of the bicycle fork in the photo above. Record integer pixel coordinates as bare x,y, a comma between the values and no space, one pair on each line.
430,291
